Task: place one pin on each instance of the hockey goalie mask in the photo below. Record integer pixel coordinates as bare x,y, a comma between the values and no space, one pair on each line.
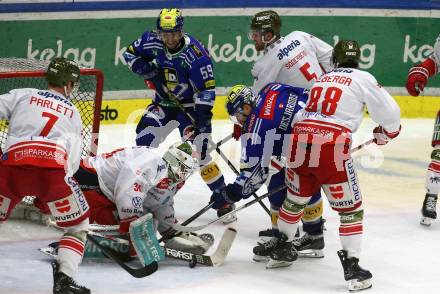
237,97
180,162
170,26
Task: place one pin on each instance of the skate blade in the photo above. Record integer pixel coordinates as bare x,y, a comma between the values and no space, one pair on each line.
311,253
277,263
356,285
426,221
259,258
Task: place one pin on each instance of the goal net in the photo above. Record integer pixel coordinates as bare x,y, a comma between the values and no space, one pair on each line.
18,73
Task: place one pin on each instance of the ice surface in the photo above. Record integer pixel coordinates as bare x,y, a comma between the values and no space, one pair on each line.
402,255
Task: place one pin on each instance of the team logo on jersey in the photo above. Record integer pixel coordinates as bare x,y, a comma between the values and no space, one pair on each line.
171,78
268,109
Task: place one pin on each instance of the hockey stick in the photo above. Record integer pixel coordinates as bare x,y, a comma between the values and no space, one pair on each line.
181,228
174,233
232,167
215,259
359,147
135,272
216,147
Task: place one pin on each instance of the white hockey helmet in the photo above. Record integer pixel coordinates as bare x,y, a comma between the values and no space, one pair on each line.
180,162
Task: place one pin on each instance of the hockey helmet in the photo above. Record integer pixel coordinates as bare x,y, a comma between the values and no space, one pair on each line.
61,71
180,161
237,97
346,54
169,20
266,21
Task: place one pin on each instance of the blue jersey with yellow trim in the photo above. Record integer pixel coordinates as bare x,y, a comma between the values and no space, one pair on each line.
188,73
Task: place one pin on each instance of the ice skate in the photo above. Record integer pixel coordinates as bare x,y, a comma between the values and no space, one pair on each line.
283,253
357,277
310,246
263,249
428,210
63,284
226,209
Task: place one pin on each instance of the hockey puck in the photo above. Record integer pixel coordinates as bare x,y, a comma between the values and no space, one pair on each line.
193,262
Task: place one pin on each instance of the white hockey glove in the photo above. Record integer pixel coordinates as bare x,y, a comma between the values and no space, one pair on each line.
191,242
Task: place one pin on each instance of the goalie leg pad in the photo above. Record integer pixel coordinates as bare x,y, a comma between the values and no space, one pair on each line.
143,237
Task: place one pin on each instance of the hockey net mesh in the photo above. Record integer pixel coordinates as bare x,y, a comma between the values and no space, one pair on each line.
18,73
28,73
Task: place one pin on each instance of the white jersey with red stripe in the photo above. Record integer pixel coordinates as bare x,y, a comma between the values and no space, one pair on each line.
127,175
297,59
44,129
339,98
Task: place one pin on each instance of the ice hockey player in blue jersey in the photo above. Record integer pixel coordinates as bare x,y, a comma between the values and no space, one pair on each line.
266,121
180,70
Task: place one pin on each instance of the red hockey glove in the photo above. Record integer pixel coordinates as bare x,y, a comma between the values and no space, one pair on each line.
418,76
382,137
236,133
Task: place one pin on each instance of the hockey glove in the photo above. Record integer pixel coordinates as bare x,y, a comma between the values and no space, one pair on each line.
382,137
418,76
220,199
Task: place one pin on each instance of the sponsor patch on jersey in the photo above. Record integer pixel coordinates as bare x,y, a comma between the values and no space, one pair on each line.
196,50
285,51
268,109
210,84
137,202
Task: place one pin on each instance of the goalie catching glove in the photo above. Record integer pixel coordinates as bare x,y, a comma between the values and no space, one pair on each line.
191,242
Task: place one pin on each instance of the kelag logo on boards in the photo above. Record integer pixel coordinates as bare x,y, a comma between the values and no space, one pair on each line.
108,114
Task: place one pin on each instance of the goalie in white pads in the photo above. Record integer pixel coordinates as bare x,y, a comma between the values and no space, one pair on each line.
127,183
416,82
42,153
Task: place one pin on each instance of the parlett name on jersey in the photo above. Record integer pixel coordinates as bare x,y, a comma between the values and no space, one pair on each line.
285,51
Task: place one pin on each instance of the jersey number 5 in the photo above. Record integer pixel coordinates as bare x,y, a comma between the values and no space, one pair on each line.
49,125
330,102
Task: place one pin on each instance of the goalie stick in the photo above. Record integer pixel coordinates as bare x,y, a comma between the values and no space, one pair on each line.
135,272
215,259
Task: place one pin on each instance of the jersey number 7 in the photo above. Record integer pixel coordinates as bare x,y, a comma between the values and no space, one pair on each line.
49,125
328,103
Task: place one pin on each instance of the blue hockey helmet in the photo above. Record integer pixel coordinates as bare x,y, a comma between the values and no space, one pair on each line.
237,97
170,20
